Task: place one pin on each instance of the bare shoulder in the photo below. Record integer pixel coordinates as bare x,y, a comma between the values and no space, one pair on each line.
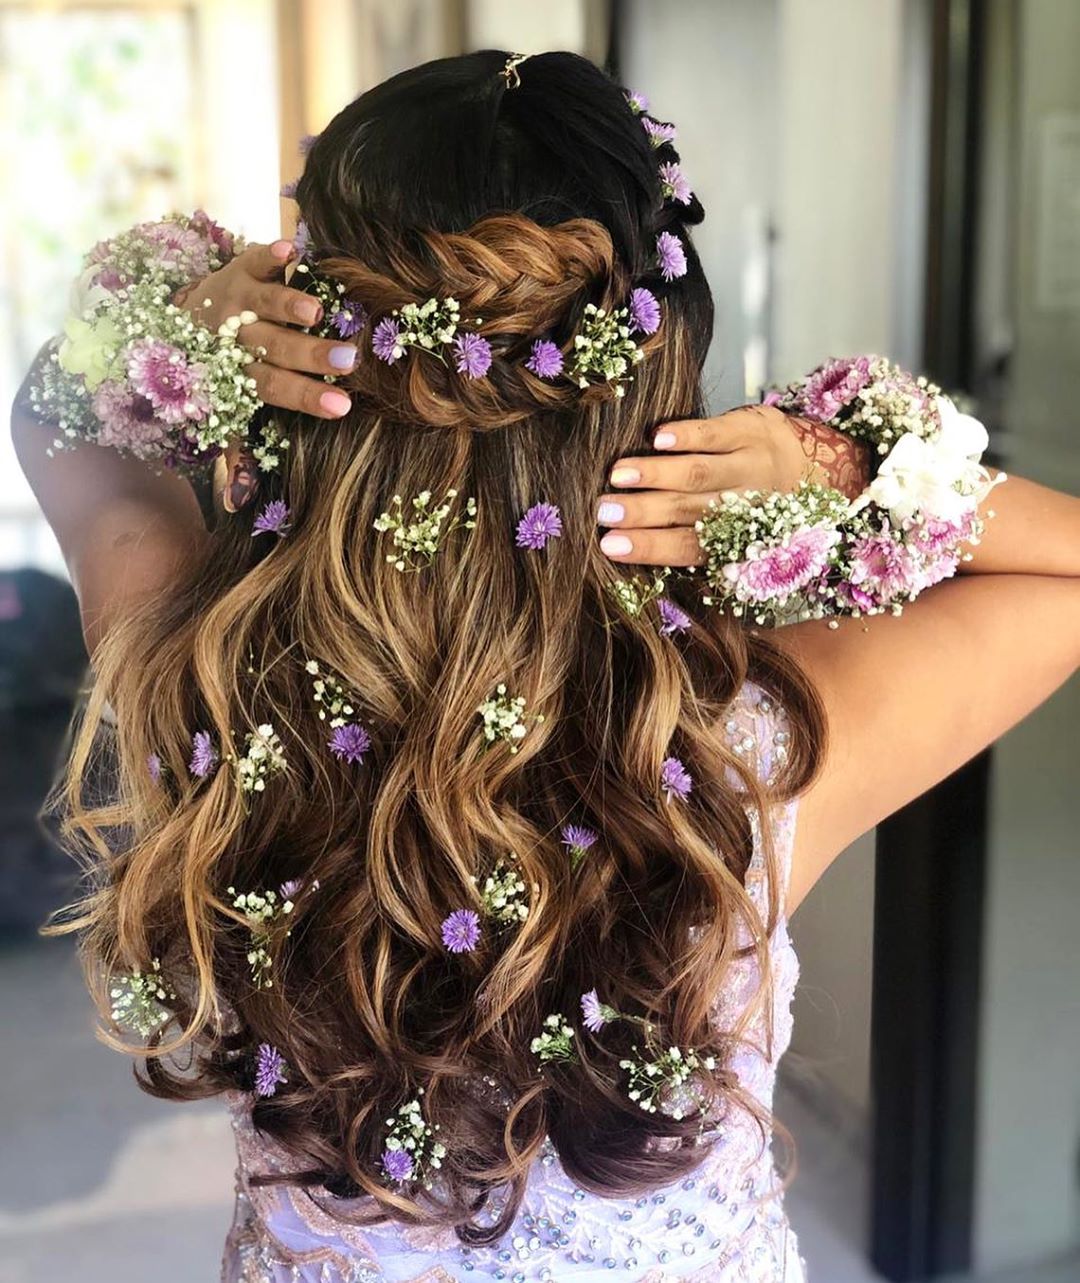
911,698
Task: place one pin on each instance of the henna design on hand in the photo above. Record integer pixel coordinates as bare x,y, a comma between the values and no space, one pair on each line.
835,458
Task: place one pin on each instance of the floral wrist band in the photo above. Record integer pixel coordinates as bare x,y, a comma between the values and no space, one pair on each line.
813,553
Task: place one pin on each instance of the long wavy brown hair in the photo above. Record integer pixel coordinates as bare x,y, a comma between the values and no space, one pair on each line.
551,205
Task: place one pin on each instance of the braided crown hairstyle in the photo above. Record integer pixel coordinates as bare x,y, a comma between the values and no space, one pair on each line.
527,205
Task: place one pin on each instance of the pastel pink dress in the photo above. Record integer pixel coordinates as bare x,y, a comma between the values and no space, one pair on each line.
724,1222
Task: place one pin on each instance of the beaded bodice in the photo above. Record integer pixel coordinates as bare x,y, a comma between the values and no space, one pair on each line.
724,1222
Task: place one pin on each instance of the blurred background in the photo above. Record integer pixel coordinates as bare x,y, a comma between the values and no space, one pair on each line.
900,176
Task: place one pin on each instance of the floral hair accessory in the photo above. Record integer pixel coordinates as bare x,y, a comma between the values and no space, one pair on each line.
273,520
349,743
542,522
335,701
263,911
659,133
596,1014
269,1070
154,767
644,311
461,931
411,1151
650,1081
265,757
137,1000
633,595
504,897
204,755
673,619
472,355
555,1042
578,839
603,348
674,183
504,718
546,360
416,542
671,256
430,326
675,779
637,103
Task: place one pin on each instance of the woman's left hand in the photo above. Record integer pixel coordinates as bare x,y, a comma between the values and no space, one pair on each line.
656,499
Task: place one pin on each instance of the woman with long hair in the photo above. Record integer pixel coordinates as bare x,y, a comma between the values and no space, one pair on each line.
454,851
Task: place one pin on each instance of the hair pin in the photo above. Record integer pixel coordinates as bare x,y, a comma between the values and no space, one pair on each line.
510,71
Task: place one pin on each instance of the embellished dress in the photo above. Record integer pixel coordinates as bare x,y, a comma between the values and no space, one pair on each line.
725,1222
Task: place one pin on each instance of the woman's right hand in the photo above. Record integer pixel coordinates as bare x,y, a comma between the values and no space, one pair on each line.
284,373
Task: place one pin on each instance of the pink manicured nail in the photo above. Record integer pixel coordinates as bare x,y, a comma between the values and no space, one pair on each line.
625,477
335,402
616,545
663,440
609,514
282,249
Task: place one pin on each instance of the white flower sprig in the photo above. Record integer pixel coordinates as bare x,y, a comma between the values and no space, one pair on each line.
416,542
603,348
263,910
650,1081
504,718
634,594
555,1042
137,999
504,896
411,1151
337,704
265,757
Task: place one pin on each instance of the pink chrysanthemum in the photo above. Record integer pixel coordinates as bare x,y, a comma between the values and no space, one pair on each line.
785,568
673,619
675,779
659,134
935,535
883,568
644,311
203,755
161,373
674,183
273,520
461,931
472,355
385,341
833,386
127,419
546,361
350,742
672,256
269,1069
542,522
397,1164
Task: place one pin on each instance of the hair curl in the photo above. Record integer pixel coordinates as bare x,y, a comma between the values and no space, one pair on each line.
367,1005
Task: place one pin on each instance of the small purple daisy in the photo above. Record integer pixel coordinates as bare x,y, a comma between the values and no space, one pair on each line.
269,1070
659,134
203,755
350,742
384,341
593,1011
546,361
397,1164
542,522
675,779
577,837
674,183
307,142
288,890
461,931
348,319
672,256
472,355
637,102
153,765
301,239
273,520
673,619
644,311
288,190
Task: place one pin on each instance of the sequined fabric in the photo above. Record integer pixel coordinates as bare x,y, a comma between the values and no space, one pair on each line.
725,1222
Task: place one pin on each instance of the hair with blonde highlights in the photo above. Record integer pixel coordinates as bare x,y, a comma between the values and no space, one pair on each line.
526,205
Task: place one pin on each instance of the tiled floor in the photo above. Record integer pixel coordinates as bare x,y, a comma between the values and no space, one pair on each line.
101,1183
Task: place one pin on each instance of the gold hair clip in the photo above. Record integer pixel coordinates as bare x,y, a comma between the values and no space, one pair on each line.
510,71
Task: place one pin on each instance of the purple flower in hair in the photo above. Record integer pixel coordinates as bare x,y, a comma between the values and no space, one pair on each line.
542,522
307,142
675,779
658,133
288,190
472,355
673,619
674,183
203,755
578,839
153,765
288,890
546,361
637,102
644,311
672,256
595,1014
273,520
301,239
461,931
350,742
385,341
348,319
269,1069
397,1164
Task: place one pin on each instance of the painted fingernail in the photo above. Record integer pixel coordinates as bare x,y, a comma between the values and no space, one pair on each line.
625,477
609,514
282,249
663,440
308,312
343,357
616,545
335,402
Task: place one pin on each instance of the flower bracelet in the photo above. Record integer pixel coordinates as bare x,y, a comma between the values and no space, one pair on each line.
811,553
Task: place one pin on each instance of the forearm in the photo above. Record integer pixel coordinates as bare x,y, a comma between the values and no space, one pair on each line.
1034,531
